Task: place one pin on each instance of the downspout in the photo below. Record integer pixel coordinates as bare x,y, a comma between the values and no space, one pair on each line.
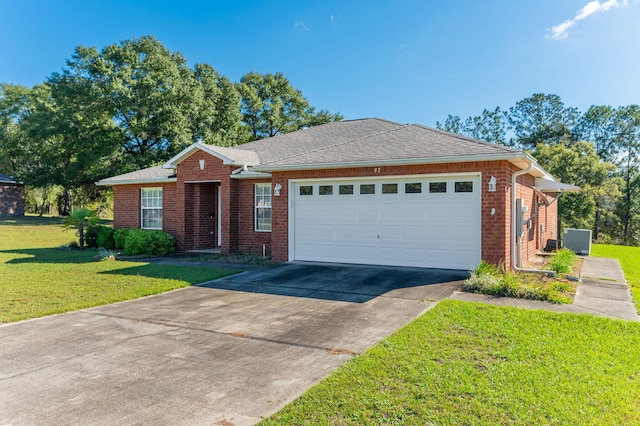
516,240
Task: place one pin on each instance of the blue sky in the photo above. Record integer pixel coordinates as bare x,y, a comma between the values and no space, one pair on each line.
407,61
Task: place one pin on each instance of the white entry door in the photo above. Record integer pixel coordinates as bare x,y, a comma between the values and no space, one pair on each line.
426,221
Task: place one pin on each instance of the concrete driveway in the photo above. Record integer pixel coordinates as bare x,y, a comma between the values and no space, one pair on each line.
226,352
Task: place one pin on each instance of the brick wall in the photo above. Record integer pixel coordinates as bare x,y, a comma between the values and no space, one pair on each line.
545,223
249,240
126,206
190,206
496,231
11,199
193,221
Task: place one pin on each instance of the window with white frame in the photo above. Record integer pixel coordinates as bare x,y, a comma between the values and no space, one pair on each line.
151,208
263,207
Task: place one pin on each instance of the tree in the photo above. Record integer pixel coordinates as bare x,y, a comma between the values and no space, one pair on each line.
80,219
271,106
578,164
598,125
490,126
627,139
452,124
542,118
147,90
15,105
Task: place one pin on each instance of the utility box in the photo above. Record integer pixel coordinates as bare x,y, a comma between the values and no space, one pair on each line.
577,240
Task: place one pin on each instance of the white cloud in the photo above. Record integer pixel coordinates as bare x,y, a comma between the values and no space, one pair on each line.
299,25
560,31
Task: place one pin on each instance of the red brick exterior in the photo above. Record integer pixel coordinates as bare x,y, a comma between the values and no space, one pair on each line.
11,199
191,206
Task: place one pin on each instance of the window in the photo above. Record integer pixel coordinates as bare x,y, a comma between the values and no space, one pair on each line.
389,188
413,188
368,188
464,186
345,189
436,187
151,208
325,190
263,207
306,190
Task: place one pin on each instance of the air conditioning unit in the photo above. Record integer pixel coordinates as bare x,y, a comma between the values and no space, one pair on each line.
577,240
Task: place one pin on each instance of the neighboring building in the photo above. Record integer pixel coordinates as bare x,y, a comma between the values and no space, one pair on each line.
365,191
11,197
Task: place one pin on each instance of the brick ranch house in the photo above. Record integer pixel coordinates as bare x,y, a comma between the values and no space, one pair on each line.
11,196
366,191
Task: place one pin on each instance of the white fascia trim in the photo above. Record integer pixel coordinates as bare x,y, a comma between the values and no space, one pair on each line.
188,151
244,173
402,162
136,182
388,177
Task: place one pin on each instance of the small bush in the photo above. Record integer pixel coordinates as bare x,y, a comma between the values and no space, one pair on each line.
105,238
142,241
487,279
120,237
562,262
163,243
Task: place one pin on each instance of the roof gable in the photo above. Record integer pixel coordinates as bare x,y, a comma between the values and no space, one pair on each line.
7,179
229,156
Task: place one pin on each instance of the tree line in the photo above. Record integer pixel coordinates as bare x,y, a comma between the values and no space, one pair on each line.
598,150
128,106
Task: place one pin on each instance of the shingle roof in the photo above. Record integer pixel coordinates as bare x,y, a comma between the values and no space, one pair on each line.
152,174
7,179
392,142
340,144
313,139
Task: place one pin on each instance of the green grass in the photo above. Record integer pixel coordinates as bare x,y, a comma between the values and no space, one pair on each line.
37,279
629,258
472,364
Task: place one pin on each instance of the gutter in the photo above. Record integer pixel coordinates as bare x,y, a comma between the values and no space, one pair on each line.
516,240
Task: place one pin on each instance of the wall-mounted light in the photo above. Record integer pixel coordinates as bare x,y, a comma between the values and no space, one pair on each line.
276,189
492,184
201,164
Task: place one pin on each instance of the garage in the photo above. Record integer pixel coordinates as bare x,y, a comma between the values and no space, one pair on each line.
425,221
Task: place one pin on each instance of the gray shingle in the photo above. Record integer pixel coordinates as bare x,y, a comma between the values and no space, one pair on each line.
367,140
6,179
151,174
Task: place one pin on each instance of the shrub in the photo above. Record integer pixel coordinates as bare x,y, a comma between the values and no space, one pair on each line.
120,237
163,243
488,279
105,238
562,262
142,241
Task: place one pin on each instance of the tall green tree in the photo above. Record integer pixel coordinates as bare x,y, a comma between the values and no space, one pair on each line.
578,164
627,123
149,92
490,126
272,106
542,118
598,125
452,124
15,106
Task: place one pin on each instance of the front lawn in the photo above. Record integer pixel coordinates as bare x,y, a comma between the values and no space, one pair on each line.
629,258
467,363
38,279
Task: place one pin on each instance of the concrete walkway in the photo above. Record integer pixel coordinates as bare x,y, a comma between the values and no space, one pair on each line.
603,291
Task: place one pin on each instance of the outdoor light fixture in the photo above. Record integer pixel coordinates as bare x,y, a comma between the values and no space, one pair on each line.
492,184
276,189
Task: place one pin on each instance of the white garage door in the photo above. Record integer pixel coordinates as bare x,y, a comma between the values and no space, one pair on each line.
425,221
